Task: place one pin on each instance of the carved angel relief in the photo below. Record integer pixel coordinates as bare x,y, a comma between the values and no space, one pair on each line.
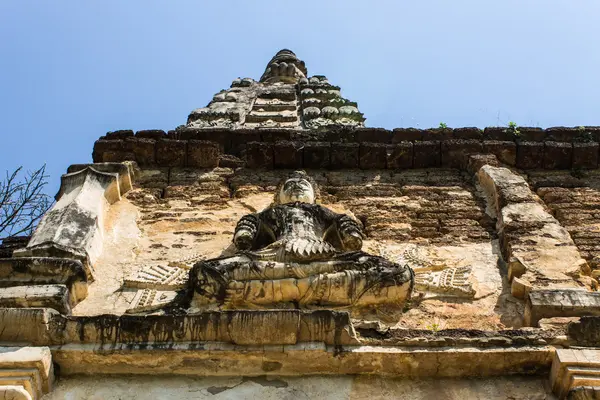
438,279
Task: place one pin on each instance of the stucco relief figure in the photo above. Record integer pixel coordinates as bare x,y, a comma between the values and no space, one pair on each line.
300,253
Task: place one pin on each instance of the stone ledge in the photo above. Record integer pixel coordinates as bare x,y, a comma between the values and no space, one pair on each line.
574,368
47,327
29,368
44,271
289,154
560,303
218,359
556,147
48,296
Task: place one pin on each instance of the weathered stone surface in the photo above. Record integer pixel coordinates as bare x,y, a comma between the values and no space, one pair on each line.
584,393
406,134
530,155
309,359
288,155
468,133
42,270
585,332
305,387
151,134
73,227
373,135
12,243
171,153
455,152
437,134
537,249
143,149
427,154
558,155
573,368
476,161
240,139
585,155
344,155
29,370
203,154
560,303
497,133
112,151
400,155
561,133
373,155
120,134
531,134
259,155
317,155
505,151
50,296
504,187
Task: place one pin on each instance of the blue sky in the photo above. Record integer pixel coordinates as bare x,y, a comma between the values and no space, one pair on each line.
72,70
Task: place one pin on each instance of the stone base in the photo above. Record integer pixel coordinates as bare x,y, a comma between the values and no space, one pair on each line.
25,372
572,369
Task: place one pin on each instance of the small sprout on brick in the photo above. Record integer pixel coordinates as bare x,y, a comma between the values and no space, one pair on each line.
513,128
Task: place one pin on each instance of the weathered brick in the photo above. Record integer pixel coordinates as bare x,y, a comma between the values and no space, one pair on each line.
171,153
151,134
400,155
403,134
117,148
373,155
317,155
341,134
259,155
531,134
436,134
203,153
530,155
376,135
275,135
455,152
120,134
344,155
288,154
499,133
221,136
239,139
505,151
468,133
585,155
143,149
561,134
427,154
558,155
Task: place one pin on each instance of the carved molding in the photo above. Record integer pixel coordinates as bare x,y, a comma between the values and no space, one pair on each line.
74,227
573,369
25,372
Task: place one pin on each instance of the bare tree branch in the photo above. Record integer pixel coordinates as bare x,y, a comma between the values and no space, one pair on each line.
22,201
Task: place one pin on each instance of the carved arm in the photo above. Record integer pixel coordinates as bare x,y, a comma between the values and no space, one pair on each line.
246,231
350,232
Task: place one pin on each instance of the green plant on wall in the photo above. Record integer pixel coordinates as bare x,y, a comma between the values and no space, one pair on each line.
513,128
443,125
